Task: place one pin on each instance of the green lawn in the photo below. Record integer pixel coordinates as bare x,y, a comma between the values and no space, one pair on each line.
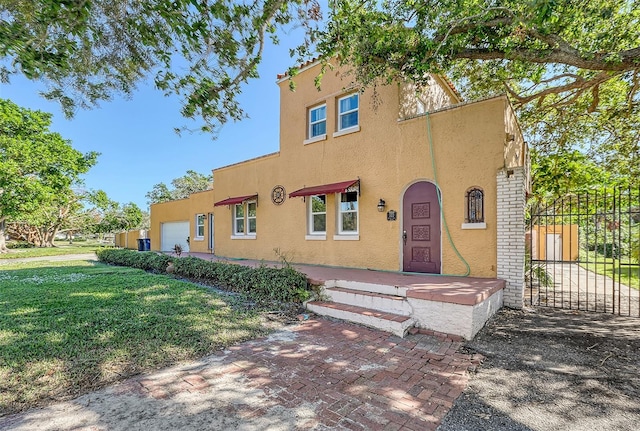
628,275
70,327
60,249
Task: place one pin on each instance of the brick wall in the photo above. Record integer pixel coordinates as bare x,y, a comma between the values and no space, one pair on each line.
511,242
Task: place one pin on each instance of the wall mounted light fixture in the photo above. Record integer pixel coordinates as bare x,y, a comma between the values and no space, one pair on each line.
381,205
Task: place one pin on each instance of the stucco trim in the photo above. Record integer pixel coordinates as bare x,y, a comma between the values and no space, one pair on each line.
243,236
452,107
315,139
348,131
346,237
277,153
473,226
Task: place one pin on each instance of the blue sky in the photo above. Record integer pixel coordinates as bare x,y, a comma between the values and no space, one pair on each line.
136,139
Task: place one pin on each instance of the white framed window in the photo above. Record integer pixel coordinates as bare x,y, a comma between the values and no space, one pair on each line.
348,112
238,219
317,121
244,220
318,215
200,220
252,208
348,213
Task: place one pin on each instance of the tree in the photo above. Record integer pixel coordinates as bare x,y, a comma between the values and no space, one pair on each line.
40,227
37,167
182,187
202,51
571,67
112,216
556,174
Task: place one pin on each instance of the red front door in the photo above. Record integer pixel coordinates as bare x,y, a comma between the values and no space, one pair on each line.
421,229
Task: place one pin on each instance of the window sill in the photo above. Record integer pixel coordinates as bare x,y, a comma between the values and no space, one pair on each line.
315,237
315,139
474,225
342,132
198,238
346,237
243,236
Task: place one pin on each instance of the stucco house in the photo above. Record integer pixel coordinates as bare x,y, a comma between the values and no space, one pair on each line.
398,179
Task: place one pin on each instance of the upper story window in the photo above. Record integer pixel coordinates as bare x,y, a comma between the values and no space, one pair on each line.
318,214
244,218
474,206
317,121
348,111
348,213
200,218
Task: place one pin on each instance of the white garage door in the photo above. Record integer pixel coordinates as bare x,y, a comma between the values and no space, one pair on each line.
174,233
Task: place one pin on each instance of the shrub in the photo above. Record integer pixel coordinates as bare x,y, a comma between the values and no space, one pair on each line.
147,260
262,284
19,244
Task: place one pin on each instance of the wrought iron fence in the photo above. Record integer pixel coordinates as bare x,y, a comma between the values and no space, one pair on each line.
583,252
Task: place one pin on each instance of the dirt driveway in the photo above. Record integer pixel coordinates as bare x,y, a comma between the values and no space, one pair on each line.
550,369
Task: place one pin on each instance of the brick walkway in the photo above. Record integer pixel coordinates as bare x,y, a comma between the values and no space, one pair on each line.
318,375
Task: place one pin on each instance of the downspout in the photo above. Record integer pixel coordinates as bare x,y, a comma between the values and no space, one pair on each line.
444,221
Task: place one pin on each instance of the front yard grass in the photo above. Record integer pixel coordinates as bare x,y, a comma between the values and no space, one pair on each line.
67,328
623,270
59,249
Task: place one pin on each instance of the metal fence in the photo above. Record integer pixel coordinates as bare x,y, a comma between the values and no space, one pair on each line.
583,252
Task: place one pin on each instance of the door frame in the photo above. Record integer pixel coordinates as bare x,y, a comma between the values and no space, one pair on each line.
401,218
211,221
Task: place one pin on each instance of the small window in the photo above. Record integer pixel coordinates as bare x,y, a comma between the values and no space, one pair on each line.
318,121
318,214
475,206
251,217
244,220
348,112
238,219
348,213
200,226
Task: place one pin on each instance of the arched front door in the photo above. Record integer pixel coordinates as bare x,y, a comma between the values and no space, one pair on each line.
421,229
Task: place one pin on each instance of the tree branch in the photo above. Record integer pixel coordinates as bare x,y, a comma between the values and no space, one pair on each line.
629,59
579,84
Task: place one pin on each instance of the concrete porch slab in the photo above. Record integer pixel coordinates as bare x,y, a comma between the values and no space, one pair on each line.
448,304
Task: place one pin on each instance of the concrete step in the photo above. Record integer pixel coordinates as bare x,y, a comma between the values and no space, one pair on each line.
377,301
385,289
388,322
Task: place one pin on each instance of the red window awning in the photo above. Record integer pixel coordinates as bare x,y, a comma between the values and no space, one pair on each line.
236,200
324,189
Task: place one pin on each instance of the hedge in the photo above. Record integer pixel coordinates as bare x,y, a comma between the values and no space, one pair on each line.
262,283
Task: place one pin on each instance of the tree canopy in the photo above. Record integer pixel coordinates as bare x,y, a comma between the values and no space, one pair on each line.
571,67
182,187
202,51
37,167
